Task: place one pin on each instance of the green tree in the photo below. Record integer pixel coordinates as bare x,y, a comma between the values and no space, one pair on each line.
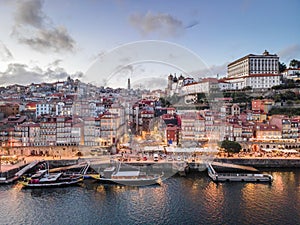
231,146
282,67
294,63
289,95
164,102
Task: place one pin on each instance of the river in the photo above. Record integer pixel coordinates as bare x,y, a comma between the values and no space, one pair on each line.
193,199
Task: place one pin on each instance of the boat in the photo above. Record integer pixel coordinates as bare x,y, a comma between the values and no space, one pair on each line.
243,177
113,174
43,179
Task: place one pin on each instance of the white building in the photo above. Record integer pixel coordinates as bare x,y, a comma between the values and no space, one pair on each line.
292,73
255,71
254,64
206,85
263,81
43,109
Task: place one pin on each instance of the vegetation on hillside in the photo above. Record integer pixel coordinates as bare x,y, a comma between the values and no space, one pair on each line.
285,111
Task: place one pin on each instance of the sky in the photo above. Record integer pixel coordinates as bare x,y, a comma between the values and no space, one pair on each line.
48,40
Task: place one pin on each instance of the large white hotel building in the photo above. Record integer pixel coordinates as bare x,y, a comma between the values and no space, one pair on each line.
255,71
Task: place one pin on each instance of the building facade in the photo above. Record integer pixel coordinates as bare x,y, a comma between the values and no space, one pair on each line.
254,64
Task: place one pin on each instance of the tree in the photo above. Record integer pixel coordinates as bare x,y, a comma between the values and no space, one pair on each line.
294,64
282,67
231,146
164,102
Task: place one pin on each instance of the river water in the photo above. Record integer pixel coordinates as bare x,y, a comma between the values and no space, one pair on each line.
193,199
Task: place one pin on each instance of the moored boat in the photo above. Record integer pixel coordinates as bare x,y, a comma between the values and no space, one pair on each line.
43,179
244,177
128,177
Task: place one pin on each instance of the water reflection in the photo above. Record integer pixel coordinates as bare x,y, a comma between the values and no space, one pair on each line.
194,199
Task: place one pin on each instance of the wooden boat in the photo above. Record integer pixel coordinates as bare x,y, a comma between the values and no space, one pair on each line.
43,179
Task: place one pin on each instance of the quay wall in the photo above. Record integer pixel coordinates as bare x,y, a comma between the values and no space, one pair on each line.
254,162
55,151
263,162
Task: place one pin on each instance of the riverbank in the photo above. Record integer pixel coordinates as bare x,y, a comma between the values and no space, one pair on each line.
263,162
8,171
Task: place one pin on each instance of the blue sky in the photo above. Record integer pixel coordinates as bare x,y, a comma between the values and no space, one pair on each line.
48,40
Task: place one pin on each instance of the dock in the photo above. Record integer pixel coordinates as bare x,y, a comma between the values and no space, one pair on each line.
235,166
5,180
242,177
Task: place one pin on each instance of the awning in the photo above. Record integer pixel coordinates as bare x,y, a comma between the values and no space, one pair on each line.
190,150
288,150
153,149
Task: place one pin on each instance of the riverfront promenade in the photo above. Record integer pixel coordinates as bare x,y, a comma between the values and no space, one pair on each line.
261,160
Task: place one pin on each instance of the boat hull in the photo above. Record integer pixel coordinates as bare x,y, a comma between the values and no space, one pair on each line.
52,185
131,182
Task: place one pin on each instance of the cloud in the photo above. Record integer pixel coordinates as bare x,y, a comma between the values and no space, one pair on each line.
54,40
219,69
55,63
161,23
150,83
5,54
30,13
35,29
211,71
289,53
17,73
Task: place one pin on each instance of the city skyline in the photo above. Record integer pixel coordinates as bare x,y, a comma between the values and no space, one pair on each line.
50,40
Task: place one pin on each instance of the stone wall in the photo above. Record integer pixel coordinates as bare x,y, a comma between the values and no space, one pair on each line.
63,151
263,163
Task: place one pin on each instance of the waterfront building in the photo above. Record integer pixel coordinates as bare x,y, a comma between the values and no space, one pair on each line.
34,134
47,131
295,127
247,131
172,134
89,131
192,127
284,124
63,130
109,124
120,117
77,133
233,132
267,132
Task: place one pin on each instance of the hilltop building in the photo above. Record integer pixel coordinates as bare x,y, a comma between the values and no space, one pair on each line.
255,71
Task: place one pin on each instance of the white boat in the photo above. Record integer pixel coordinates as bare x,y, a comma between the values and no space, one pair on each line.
129,177
244,177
